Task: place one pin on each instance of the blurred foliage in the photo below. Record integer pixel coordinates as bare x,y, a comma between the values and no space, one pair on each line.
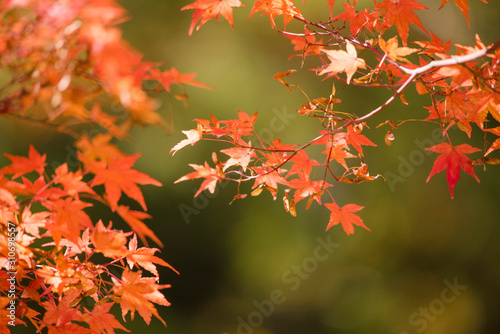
235,259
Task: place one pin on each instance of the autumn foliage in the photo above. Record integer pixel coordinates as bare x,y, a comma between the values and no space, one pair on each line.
69,68
358,48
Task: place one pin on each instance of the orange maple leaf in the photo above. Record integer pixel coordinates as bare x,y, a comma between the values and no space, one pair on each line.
357,20
496,143
273,8
118,177
400,13
134,219
305,43
109,242
345,216
22,165
452,158
68,219
207,9
138,293
144,257
306,187
100,320
463,5
173,76
342,61
302,163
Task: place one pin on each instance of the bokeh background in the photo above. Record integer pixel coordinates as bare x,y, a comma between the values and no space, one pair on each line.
429,265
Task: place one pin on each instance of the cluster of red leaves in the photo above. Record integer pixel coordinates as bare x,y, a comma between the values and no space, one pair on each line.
60,273
463,87
65,65
67,60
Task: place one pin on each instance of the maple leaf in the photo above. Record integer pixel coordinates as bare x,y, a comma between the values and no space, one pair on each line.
240,156
269,179
496,143
173,76
193,136
204,10
342,61
100,320
134,220
210,175
336,149
306,187
345,216
97,148
463,5
400,13
434,46
273,8
61,316
109,242
394,52
302,163
307,44
331,3
138,293
118,177
356,140
144,257
22,165
452,158
357,20
68,219
71,182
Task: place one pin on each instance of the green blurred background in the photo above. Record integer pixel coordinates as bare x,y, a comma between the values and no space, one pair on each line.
429,264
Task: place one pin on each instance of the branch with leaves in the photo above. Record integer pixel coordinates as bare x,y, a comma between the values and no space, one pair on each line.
463,90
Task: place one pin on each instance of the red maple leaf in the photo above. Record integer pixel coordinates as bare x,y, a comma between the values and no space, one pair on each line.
452,158
357,20
345,215
207,9
306,187
342,61
356,140
435,45
302,163
22,165
118,177
400,13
